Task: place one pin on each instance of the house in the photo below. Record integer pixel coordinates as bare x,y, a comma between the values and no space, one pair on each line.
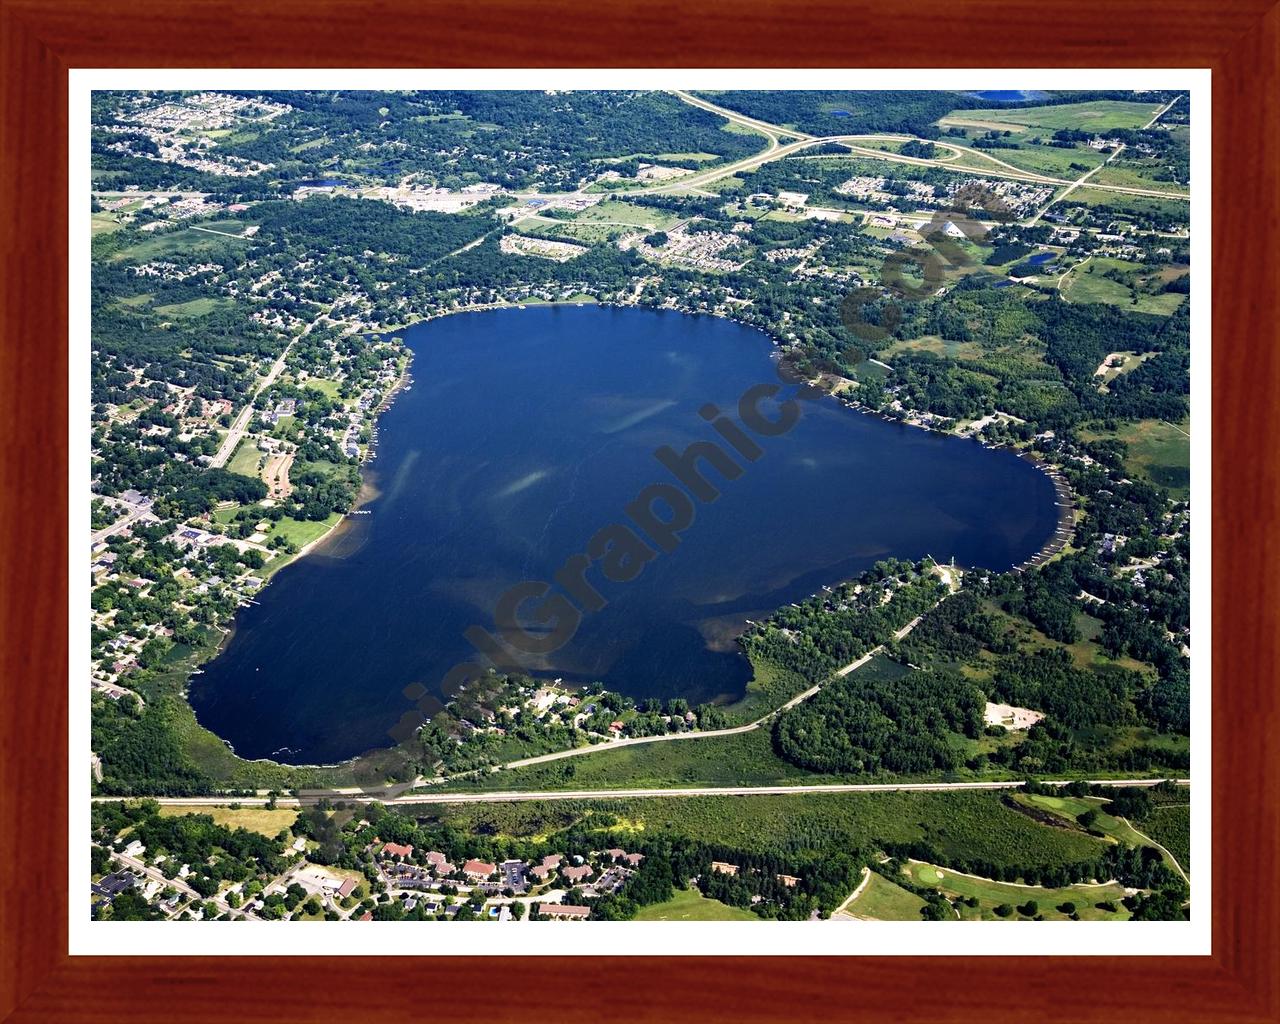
790,881
135,849
633,859
564,911
576,874
720,867
477,869
397,850
347,887
616,854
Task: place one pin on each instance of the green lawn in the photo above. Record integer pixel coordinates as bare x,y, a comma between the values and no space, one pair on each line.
881,900
691,905
991,894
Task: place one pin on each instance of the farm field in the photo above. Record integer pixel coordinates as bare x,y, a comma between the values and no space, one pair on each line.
1093,115
881,900
691,905
1158,451
991,894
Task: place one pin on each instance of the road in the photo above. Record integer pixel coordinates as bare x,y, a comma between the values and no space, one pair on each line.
241,422
733,731
775,151
136,512
141,868
522,796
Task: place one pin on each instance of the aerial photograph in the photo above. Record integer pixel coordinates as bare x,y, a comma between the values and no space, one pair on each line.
638,505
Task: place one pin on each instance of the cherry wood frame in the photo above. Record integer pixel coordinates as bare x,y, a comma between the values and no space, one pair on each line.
41,39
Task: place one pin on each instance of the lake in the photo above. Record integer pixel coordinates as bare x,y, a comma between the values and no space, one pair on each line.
524,433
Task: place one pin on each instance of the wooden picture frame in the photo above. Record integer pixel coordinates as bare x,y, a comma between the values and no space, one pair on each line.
42,39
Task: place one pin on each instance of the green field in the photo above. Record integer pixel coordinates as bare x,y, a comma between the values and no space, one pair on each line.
991,894
691,905
1135,174
195,307
1174,209
1093,115
246,459
745,759
186,241
1039,159
1140,287
1158,451
264,821
881,900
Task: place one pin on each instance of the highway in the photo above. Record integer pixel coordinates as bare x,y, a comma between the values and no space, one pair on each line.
525,796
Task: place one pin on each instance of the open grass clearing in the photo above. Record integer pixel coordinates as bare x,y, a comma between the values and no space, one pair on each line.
246,460
691,905
881,900
1093,115
1158,451
991,894
193,307
264,821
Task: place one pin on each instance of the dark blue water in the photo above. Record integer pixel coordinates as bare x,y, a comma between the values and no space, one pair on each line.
523,434
1041,257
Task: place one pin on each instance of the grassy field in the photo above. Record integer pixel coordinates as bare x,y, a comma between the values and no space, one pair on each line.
1135,174
1158,451
881,900
991,894
1039,159
1174,209
256,819
195,307
1170,826
246,458
746,759
329,388
1093,115
186,241
1140,287
691,905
